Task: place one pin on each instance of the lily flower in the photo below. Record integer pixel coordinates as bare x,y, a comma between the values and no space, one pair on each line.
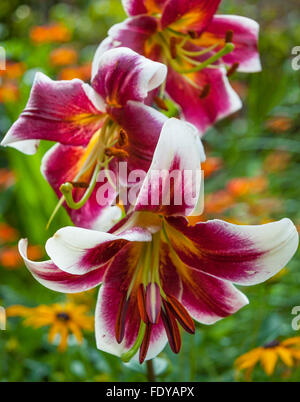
94,125
201,50
158,272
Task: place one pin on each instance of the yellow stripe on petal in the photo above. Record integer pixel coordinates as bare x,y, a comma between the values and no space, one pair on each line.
153,7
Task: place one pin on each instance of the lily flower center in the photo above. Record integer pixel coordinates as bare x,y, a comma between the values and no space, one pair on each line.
188,54
107,143
145,289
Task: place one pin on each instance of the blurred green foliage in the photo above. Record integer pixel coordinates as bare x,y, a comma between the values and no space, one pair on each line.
243,141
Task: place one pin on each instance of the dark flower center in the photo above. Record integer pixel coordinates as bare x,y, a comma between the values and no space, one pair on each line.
272,344
63,316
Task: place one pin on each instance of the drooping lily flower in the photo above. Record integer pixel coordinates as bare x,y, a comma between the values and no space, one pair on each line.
200,48
158,272
94,125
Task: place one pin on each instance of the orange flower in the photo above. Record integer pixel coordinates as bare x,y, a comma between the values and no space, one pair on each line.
82,72
9,92
7,233
13,70
63,319
10,258
243,186
7,179
211,165
277,161
218,202
288,351
50,33
63,56
279,124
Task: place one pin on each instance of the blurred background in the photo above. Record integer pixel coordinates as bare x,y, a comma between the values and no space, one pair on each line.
252,176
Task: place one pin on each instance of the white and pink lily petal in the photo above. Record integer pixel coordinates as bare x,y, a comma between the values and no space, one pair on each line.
54,278
69,112
174,183
245,32
243,254
120,75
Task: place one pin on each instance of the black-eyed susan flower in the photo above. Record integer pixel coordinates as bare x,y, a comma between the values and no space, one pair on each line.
63,319
288,351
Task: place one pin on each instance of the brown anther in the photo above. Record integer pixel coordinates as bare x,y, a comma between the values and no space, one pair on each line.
79,184
118,153
123,138
160,103
141,301
121,318
232,69
145,344
193,34
173,49
181,314
229,36
205,91
171,328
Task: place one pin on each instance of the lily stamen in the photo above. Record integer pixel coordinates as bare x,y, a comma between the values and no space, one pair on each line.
232,69
205,91
161,103
171,328
116,152
173,44
229,36
123,138
121,318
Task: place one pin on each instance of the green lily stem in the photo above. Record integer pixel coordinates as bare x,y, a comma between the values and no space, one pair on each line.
67,188
126,357
150,371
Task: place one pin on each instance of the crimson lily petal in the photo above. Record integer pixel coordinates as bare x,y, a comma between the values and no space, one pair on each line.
143,126
245,38
132,33
188,15
136,7
209,299
220,102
